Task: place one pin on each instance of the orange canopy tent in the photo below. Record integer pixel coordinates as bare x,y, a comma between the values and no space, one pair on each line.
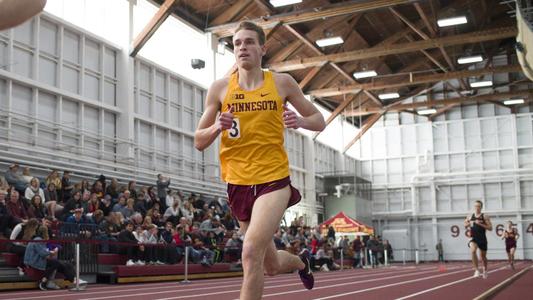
345,225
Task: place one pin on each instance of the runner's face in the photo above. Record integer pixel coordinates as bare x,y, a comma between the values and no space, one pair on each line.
477,207
248,51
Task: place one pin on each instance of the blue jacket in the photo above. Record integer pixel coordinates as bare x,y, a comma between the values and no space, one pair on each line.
36,254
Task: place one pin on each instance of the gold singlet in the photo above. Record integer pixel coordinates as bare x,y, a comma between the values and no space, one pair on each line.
252,151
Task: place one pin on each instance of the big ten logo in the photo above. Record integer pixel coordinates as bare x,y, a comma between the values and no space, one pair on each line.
499,229
237,96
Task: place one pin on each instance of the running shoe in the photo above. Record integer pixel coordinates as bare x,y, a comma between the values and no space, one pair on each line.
306,275
51,285
485,275
476,274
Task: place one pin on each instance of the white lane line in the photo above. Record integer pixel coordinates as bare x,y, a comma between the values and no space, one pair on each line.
446,285
268,285
286,285
392,284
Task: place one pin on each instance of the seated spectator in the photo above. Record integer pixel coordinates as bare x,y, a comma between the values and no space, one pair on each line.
156,217
106,205
169,199
85,186
98,189
211,243
133,251
14,179
36,208
153,255
129,210
66,187
22,231
154,209
16,208
172,213
322,260
74,203
229,221
187,211
26,175
137,219
51,201
121,204
147,222
233,247
85,199
140,204
108,230
166,238
94,203
278,242
132,188
181,239
39,257
53,177
113,189
7,222
198,253
78,225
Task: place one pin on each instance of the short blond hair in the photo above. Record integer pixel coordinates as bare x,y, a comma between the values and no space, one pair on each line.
247,25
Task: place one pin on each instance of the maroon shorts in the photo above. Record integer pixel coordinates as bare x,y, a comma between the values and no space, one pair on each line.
509,246
241,198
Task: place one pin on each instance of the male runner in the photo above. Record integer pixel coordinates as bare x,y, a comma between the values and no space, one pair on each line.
478,223
254,163
510,235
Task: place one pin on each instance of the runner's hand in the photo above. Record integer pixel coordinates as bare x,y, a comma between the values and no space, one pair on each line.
225,119
290,119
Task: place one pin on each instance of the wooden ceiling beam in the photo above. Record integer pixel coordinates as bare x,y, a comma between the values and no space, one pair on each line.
459,39
445,102
160,16
307,15
228,14
411,81
338,110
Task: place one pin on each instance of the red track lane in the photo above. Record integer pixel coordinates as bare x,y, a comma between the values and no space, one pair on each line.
173,287
392,278
517,289
472,288
285,286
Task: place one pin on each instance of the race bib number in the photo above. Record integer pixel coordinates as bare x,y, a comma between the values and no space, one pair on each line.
235,131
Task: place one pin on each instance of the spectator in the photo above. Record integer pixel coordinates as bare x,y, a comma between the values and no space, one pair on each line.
66,187
440,250
388,247
94,203
39,257
74,203
147,222
16,208
7,222
199,253
172,213
26,175
211,243
121,204
108,230
357,246
166,238
162,185
187,211
152,253
112,189
14,179
129,210
50,193
373,247
53,177
323,260
85,186
133,251
197,202
22,231
181,238
106,205
233,247
33,189
331,235
140,203
78,224
98,189
132,187
36,208
102,180
169,199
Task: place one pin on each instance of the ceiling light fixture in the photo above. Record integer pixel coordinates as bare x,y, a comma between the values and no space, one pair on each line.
479,84
469,59
278,3
364,74
389,96
428,111
513,101
329,41
452,21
